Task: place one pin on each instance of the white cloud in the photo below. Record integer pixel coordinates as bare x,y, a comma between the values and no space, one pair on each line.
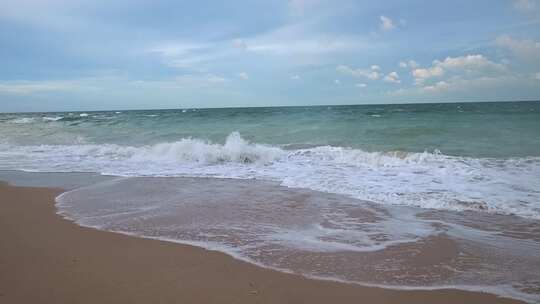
31,87
408,64
420,75
243,75
319,45
293,40
457,84
187,81
181,81
186,55
470,88
360,85
372,73
386,24
438,86
301,39
469,64
175,48
392,77
525,5
188,62
527,50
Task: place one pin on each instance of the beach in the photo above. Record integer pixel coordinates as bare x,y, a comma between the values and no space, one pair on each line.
290,151
391,197
47,259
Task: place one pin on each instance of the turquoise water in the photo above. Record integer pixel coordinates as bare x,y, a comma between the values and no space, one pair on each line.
351,188
473,156
468,129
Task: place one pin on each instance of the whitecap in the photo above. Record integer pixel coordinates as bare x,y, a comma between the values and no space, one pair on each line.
56,118
429,180
23,120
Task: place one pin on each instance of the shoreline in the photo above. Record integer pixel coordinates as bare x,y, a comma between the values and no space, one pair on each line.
45,258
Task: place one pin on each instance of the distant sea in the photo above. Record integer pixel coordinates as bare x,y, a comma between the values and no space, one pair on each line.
408,159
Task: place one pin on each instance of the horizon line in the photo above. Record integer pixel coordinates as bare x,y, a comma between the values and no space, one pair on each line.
276,106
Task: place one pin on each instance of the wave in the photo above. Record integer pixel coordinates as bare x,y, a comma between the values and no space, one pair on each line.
23,120
235,150
263,230
426,180
56,118
28,120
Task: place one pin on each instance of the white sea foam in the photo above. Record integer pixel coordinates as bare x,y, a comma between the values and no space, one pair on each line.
56,118
23,120
427,180
316,234
83,115
235,150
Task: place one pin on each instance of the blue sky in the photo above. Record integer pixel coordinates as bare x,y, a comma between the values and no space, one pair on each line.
84,55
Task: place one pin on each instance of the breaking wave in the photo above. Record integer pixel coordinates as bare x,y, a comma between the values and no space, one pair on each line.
427,180
235,149
55,118
23,120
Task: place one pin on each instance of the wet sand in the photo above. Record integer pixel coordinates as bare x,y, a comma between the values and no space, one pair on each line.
46,259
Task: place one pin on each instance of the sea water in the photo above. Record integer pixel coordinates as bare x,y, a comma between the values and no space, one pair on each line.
340,186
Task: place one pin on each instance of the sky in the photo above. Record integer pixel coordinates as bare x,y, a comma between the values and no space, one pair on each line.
58,55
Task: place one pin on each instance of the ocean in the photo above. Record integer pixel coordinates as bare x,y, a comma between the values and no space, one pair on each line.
320,190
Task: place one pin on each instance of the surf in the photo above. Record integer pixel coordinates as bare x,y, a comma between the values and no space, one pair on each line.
428,180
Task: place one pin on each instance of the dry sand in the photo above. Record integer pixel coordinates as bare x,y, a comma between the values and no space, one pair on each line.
46,259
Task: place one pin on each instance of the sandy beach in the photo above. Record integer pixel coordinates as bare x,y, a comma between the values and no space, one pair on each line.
46,259
281,152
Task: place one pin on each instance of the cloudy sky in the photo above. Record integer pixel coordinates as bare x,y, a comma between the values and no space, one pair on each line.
84,55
